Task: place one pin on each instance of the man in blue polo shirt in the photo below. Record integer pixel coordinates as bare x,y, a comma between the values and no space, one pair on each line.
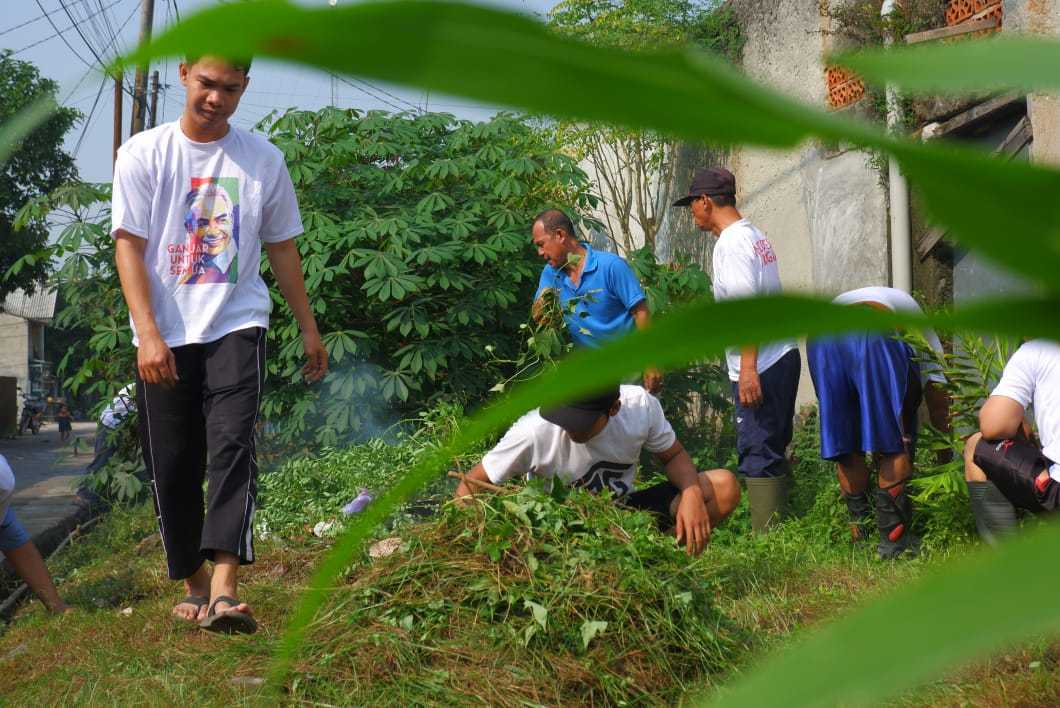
608,299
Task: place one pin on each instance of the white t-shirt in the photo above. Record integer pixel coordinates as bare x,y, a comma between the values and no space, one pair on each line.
7,485
745,265
1032,375
204,209
122,405
898,301
534,447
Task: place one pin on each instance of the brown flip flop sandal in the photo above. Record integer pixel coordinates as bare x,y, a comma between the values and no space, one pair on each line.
229,621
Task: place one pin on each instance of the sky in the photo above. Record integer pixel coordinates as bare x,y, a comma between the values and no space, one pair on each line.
45,33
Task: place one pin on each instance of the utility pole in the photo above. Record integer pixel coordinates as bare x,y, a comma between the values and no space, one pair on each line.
117,116
139,108
152,120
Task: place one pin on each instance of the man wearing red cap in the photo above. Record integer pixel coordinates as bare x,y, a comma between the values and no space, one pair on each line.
765,377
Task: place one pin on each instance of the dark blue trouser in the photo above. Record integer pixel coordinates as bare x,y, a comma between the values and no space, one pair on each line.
764,432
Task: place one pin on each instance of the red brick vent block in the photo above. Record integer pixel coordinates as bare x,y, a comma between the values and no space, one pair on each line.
844,86
961,11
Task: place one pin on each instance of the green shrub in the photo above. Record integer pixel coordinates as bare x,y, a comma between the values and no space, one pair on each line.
417,261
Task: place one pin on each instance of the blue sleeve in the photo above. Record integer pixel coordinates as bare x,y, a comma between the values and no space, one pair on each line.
547,280
623,283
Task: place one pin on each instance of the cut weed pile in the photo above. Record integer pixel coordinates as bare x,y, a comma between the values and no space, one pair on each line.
522,598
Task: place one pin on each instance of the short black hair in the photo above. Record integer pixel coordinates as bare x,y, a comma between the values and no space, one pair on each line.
243,64
722,200
553,219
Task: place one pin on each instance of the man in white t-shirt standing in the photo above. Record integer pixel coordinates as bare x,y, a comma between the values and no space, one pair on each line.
869,387
193,202
595,444
765,377
1003,457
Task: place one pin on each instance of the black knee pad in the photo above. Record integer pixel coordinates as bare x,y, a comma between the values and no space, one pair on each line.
857,505
1013,466
894,511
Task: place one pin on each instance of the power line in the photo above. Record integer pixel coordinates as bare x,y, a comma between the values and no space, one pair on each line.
81,34
376,96
91,113
23,24
58,33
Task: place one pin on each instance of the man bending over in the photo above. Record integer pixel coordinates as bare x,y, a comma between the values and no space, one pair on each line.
595,444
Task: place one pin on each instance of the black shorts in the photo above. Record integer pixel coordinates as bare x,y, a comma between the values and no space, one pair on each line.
764,432
1013,466
655,500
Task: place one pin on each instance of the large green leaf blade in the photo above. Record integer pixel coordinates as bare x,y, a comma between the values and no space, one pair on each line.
22,124
684,336
962,611
501,57
1022,63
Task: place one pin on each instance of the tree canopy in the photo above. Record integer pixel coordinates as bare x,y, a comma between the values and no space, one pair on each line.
38,166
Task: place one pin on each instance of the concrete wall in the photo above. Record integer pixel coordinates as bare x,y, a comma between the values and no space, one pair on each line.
1038,17
14,350
824,209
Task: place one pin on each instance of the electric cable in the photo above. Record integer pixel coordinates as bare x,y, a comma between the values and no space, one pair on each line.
60,33
53,36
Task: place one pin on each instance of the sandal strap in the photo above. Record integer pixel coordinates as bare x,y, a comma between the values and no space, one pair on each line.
222,598
197,600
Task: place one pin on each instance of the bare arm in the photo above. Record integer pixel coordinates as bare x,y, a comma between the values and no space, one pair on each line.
938,405
1000,417
477,473
692,519
154,360
750,387
287,267
642,320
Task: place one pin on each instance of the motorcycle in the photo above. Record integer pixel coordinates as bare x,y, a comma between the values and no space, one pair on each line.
32,415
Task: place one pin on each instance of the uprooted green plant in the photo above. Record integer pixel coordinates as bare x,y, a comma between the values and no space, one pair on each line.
971,370
523,597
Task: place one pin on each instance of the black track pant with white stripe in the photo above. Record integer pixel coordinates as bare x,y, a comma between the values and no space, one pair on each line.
209,415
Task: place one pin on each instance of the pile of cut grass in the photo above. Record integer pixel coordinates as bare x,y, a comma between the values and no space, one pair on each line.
519,599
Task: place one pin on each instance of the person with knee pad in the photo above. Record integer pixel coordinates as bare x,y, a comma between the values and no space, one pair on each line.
1004,466
869,387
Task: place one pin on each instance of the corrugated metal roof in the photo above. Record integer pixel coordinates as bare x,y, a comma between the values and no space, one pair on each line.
39,306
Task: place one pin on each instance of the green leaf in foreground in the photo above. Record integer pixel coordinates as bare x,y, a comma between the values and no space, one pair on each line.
1025,63
686,335
456,49
962,611
22,124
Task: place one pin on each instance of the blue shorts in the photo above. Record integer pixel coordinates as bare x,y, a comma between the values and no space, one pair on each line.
868,387
764,432
12,533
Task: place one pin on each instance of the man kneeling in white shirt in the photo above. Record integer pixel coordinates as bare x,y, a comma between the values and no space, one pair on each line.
1003,465
595,444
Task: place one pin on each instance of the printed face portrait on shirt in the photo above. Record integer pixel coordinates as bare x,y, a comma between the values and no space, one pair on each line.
212,225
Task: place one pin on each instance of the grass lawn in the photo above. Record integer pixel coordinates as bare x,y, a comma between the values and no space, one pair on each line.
445,619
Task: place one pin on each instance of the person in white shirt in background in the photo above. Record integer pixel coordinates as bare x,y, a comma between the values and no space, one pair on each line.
869,387
595,444
1004,459
765,377
193,202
